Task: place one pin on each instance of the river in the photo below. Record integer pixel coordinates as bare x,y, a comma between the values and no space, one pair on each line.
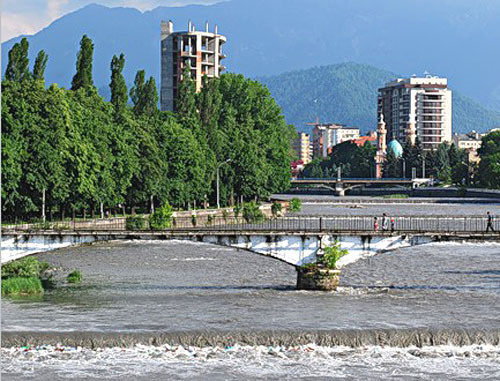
423,312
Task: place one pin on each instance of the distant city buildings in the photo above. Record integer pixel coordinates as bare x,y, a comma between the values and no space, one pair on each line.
302,147
202,50
424,102
327,135
469,142
370,138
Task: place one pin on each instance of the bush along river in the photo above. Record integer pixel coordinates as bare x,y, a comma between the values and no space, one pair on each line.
183,310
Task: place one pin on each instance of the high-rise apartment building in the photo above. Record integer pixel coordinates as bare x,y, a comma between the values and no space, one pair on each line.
422,101
327,135
302,147
202,50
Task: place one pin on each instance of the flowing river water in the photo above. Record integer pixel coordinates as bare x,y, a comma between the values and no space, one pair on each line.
180,310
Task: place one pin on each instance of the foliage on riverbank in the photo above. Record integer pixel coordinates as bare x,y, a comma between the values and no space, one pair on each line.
295,205
162,217
252,212
135,223
19,286
25,277
81,151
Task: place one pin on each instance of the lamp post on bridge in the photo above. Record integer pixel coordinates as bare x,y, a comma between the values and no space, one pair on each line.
218,166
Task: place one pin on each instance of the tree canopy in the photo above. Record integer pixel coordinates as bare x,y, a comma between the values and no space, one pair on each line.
81,151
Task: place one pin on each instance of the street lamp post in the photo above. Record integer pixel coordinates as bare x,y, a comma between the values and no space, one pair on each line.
218,166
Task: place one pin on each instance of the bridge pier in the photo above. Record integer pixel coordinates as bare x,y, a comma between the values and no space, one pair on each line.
317,280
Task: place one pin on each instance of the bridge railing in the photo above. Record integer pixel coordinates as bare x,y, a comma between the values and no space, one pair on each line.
285,224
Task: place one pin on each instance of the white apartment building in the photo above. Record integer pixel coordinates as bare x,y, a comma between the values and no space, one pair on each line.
426,100
327,135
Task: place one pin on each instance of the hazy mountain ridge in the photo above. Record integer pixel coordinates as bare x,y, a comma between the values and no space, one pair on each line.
346,93
453,38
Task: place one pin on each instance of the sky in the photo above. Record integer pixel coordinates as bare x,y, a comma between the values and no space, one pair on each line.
30,16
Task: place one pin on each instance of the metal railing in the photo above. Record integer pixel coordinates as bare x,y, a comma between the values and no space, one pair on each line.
430,224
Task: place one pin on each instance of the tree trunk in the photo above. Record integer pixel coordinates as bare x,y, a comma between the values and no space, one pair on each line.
84,214
132,211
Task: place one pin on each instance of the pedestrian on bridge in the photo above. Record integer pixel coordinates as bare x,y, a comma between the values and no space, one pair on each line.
393,224
489,224
375,224
385,222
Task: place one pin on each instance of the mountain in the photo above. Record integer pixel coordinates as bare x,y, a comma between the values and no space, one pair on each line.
452,38
347,93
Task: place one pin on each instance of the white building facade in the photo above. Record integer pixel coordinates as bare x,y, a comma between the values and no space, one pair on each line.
327,135
425,101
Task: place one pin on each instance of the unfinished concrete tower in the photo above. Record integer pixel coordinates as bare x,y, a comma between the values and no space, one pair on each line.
201,50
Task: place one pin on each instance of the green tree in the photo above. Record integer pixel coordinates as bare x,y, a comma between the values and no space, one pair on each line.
83,77
118,86
185,103
18,65
144,95
39,66
392,166
489,166
442,163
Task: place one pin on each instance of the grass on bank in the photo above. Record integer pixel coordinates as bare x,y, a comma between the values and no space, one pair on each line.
398,195
21,286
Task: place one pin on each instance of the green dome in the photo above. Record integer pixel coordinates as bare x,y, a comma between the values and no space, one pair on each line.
395,147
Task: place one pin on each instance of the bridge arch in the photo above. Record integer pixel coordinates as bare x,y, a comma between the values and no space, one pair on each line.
293,249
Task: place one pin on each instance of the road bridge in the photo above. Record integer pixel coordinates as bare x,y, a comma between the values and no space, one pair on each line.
339,185
295,240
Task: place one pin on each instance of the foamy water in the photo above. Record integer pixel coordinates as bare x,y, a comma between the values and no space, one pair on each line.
255,362
158,288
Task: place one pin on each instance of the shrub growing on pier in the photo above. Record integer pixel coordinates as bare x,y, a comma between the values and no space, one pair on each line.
332,254
135,223
295,205
162,217
328,260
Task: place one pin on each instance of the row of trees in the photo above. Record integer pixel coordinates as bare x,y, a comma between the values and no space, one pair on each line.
79,154
353,161
447,163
